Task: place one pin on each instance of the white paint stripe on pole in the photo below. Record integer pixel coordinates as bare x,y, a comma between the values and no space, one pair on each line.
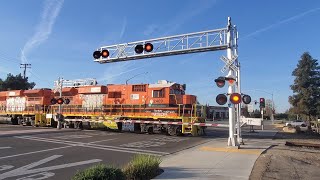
5,147
34,152
90,145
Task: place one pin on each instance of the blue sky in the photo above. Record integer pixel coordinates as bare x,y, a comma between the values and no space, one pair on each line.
58,38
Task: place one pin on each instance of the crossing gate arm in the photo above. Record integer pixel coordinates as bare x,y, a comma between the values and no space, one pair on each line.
150,122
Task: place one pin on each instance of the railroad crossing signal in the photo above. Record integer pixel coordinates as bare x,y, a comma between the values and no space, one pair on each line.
235,98
59,101
148,47
221,81
104,53
262,103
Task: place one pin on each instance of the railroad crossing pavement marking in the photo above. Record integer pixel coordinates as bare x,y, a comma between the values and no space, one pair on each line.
34,152
5,147
231,150
73,137
94,146
44,171
155,142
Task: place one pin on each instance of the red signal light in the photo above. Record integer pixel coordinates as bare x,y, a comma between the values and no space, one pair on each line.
231,80
60,101
235,98
221,99
148,47
262,103
105,53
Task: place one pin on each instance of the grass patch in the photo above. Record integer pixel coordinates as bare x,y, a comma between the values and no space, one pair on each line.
142,167
100,172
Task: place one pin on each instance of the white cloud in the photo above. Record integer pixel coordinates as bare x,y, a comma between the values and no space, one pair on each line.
43,30
124,26
150,29
292,18
186,13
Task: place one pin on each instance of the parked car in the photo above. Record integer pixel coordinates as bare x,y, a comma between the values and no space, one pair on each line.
297,123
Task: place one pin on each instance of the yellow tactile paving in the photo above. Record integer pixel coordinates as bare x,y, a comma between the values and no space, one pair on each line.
242,151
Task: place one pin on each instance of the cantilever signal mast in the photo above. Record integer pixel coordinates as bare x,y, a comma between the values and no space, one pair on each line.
212,40
25,66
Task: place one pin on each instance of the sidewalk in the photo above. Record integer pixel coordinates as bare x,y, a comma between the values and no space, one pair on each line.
214,160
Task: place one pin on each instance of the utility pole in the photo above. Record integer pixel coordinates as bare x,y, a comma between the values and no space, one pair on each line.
25,66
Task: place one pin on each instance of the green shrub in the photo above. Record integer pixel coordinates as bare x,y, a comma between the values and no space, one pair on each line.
142,167
100,172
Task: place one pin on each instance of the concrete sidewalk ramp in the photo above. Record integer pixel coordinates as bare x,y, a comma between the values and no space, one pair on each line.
213,160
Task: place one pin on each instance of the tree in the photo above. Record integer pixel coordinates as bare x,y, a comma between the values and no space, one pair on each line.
15,83
269,108
306,93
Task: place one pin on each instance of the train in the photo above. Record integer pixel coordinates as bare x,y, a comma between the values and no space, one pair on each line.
162,107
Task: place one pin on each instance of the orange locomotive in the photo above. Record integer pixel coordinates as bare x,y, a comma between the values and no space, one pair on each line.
164,101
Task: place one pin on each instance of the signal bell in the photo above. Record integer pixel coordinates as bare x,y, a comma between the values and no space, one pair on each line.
231,80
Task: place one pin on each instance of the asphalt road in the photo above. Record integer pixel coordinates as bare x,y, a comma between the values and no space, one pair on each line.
61,155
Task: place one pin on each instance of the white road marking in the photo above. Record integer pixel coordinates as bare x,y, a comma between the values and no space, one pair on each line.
34,152
143,144
5,167
43,175
96,146
73,137
155,142
35,164
102,140
5,147
26,170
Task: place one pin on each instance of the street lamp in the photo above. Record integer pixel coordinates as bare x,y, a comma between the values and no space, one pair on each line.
135,76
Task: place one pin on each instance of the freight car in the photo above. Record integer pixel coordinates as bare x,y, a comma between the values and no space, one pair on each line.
153,108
